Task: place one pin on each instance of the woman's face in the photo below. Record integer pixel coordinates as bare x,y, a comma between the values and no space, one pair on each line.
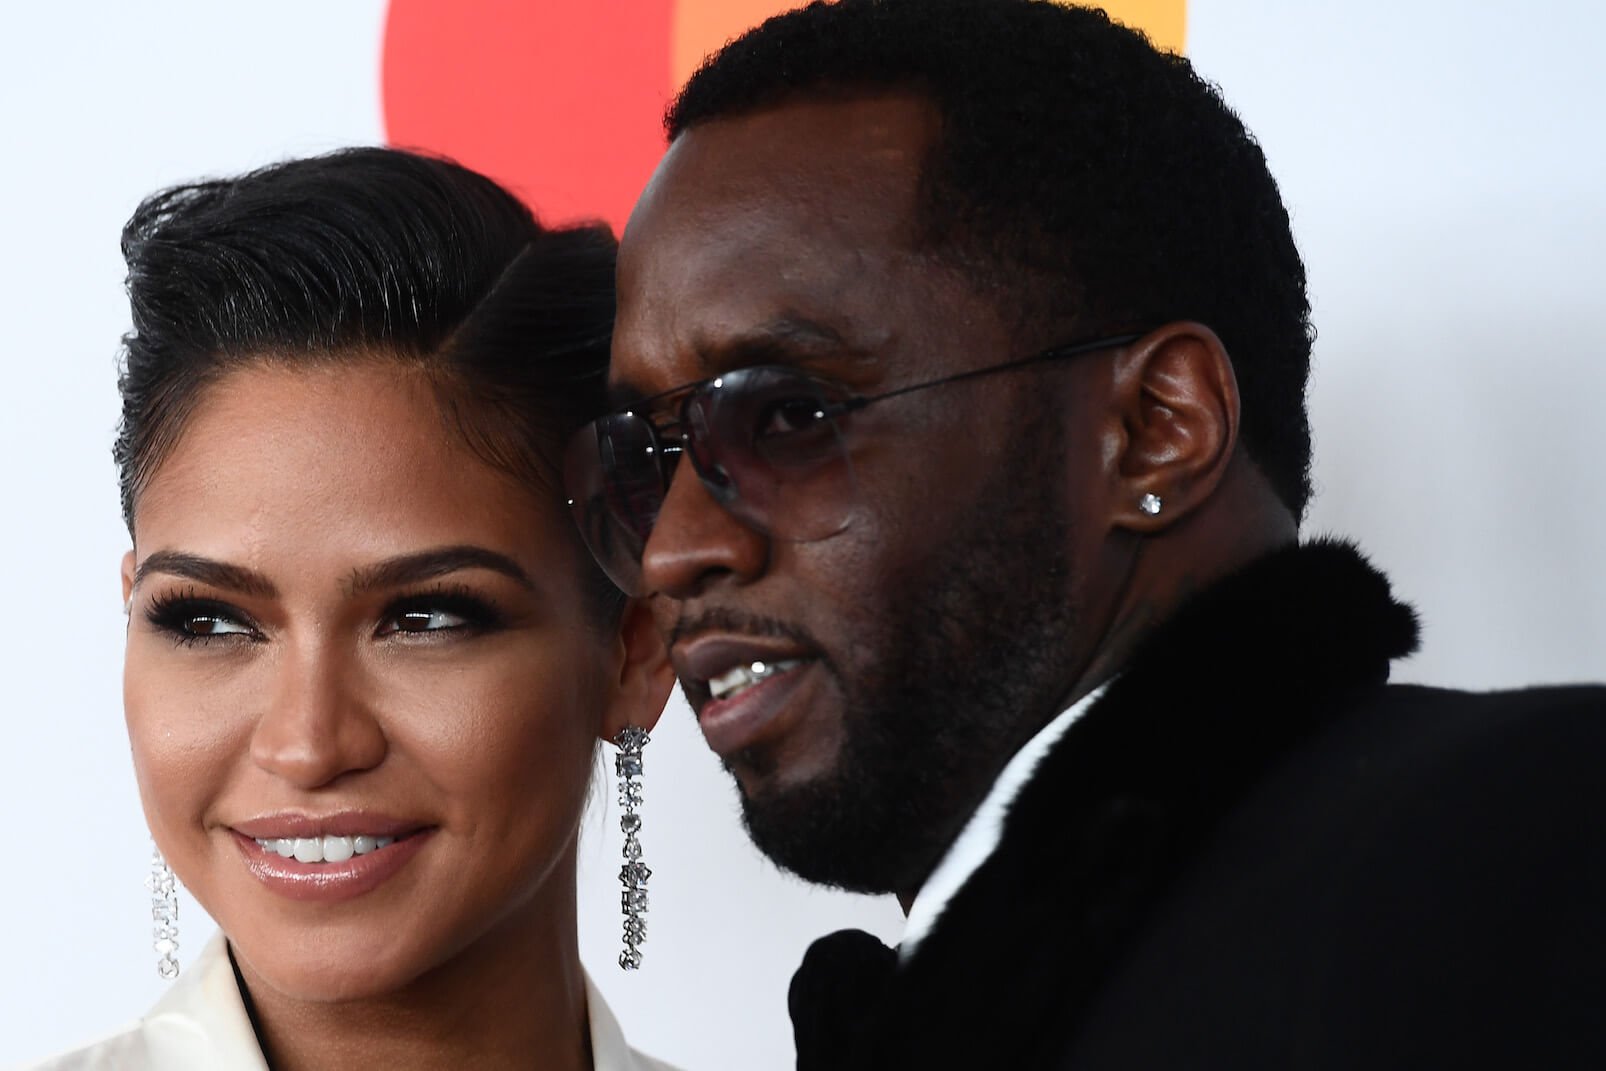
351,638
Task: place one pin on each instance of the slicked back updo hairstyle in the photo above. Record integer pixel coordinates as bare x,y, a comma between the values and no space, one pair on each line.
1094,183
361,255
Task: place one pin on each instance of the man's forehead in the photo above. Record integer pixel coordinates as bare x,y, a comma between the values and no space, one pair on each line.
769,234
860,138
843,168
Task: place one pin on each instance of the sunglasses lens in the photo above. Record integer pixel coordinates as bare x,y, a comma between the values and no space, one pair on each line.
614,476
765,446
763,443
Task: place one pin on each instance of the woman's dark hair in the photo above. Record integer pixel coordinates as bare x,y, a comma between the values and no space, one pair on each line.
363,254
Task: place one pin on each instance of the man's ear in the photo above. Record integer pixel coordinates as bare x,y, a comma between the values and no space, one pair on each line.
644,676
1178,401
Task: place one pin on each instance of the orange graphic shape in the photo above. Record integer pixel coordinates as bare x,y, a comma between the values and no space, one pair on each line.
562,100
702,27
1165,21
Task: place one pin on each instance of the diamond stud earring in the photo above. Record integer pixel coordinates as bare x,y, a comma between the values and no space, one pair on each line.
1150,504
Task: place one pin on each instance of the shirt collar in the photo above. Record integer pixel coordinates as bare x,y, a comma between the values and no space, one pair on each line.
201,1022
977,841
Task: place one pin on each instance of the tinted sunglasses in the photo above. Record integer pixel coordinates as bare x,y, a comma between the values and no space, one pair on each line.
769,442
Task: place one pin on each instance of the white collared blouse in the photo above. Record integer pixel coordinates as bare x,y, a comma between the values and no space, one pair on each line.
200,1024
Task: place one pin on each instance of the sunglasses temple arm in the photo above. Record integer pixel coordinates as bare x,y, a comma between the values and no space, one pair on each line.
1060,353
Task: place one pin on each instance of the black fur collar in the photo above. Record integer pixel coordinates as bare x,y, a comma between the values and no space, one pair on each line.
1236,678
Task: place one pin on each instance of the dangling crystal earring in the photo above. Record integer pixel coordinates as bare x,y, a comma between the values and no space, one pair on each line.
1150,504
634,874
164,912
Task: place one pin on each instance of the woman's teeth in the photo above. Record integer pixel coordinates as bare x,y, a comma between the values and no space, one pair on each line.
323,849
738,679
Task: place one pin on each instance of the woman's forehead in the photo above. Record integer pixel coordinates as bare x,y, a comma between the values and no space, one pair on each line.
354,457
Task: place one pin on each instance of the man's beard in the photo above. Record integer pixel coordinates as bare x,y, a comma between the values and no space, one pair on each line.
968,662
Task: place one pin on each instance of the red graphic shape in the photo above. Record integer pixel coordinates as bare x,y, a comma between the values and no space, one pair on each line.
559,100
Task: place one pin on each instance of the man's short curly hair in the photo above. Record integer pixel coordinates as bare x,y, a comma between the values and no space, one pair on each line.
1086,177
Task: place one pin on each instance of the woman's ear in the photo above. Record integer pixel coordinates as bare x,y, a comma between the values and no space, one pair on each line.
644,676
1178,400
128,579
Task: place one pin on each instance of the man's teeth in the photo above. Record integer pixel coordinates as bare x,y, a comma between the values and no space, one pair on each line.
738,679
323,849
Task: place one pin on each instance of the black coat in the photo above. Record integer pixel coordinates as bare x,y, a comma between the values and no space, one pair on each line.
1253,852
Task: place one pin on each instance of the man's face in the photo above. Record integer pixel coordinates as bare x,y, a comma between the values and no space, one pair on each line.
920,646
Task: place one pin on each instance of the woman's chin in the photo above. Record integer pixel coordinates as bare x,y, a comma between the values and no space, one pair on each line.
356,971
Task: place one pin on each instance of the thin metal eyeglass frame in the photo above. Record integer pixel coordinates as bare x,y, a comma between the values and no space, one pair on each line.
1075,349
671,440
667,440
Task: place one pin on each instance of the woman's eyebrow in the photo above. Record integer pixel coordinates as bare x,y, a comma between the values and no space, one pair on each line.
429,564
390,573
206,571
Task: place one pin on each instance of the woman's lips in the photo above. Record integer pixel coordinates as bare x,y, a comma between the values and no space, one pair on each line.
312,872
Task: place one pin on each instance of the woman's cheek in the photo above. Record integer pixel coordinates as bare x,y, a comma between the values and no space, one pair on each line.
185,730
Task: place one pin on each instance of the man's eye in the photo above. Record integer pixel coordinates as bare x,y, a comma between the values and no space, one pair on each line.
791,416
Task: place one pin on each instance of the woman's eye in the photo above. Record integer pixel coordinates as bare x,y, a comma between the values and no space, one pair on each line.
190,620
433,620
456,613
213,625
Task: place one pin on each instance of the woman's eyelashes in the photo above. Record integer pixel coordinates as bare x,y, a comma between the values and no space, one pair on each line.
436,615
189,619
446,611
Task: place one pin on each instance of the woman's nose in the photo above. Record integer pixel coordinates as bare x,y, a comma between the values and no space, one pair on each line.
317,724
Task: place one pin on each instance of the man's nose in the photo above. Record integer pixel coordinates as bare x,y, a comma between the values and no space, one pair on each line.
317,725
696,542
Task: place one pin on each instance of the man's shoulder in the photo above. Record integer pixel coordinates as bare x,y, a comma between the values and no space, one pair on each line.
1562,700
1415,787
1417,885
1421,742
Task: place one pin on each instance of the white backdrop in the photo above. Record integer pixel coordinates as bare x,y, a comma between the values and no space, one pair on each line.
1444,165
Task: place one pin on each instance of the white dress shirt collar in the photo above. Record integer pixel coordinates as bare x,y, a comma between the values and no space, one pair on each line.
200,1024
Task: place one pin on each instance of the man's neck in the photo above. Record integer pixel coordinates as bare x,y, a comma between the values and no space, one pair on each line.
1241,523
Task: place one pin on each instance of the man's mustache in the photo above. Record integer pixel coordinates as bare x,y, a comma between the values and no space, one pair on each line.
724,619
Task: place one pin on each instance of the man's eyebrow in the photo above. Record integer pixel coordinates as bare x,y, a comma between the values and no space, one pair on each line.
624,396
429,564
783,340
206,571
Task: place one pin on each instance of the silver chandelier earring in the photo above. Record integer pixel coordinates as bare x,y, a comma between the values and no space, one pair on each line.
1150,504
634,874
163,887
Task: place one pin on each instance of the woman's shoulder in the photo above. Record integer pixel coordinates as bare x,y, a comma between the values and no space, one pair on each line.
123,1048
643,1062
609,1050
200,1023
